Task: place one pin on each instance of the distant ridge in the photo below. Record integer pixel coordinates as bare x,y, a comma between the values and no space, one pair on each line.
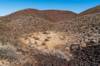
91,11
69,14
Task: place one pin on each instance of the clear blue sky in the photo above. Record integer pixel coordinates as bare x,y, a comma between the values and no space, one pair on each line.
9,6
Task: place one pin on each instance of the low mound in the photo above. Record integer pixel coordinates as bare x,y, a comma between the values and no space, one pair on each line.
52,15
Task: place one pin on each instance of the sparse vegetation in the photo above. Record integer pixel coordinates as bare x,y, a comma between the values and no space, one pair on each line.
44,38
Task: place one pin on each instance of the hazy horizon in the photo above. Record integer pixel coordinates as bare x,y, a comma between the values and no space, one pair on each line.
77,6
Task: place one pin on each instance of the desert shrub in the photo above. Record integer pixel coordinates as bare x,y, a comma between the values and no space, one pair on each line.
49,59
27,64
7,54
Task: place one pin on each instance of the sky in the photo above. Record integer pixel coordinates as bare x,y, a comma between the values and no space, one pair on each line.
10,6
